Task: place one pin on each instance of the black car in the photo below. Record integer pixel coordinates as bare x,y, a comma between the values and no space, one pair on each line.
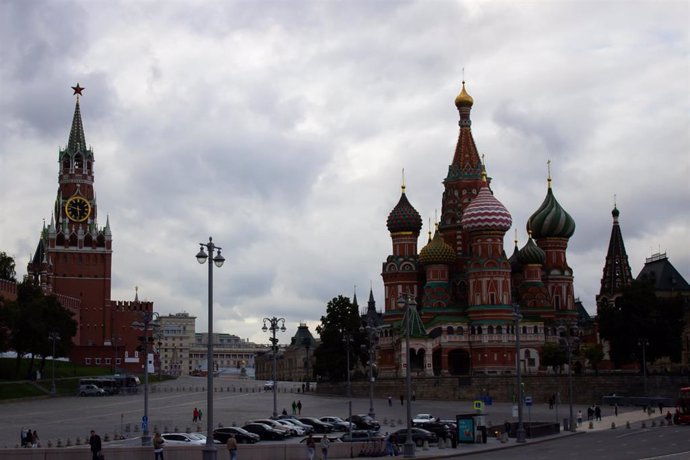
265,432
242,436
441,429
319,426
364,422
419,435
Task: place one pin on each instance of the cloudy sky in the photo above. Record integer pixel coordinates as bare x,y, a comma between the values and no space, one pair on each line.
281,129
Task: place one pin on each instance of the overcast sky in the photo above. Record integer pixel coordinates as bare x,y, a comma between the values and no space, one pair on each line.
281,129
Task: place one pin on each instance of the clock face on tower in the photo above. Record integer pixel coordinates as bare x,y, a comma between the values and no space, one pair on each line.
77,209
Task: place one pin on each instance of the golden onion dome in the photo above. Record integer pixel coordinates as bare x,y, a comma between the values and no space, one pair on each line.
463,99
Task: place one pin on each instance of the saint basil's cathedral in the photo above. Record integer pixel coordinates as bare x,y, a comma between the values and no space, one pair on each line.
461,290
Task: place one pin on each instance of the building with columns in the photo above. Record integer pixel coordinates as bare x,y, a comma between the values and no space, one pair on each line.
460,289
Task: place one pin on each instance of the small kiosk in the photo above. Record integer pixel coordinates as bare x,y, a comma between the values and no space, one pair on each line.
471,428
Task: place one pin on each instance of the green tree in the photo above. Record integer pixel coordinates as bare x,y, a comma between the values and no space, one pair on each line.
32,317
341,320
595,355
553,354
639,314
7,267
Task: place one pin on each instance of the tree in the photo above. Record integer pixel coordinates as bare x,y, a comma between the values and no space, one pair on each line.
639,314
31,318
341,319
595,355
7,267
552,354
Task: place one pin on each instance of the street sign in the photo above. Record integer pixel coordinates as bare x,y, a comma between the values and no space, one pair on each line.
478,405
528,400
144,423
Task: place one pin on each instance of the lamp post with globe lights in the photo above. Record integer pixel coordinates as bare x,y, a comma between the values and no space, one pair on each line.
644,343
372,339
148,322
520,434
276,324
209,451
53,337
406,302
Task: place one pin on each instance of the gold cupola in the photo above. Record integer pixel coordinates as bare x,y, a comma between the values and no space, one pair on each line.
463,99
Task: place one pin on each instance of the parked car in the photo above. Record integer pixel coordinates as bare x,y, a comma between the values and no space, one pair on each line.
91,390
419,435
319,426
268,385
294,429
441,429
423,418
265,432
183,439
275,425
338,423
364,422
361,435
242,436
308,429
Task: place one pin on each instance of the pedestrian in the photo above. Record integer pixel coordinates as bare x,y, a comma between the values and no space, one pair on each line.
590,413
552,400
294,408
390,401
200,415
22,436
414,395
34,439
310,447
325,444
669,417
597,413
284,411
299,407
95,443
661,408
506,428
402,399
579,418
232,447
615,409
389,444
195,415
158,446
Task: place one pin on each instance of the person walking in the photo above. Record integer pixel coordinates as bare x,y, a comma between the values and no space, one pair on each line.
299,407
34,439
579,418
95,443
310,447
294,408
390,401
597,413
195,414
325,444
402,399
200,414
615,409
158,447
232,447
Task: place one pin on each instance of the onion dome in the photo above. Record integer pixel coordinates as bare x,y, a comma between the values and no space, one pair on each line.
615,213
404,217
463,99
551,220
437,251
485,212
532,254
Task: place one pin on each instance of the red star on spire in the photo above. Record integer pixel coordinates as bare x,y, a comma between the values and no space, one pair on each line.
78,89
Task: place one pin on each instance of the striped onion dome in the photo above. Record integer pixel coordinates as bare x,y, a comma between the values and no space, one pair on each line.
532,254
485,212
551,220
404,217
437,251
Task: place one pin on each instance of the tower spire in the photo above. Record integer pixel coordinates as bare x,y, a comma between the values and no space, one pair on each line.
77,140
617,273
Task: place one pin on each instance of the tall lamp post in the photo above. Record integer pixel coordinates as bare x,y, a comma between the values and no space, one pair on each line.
209,450
644,343
53,337
307,345
372,336
347,338
569,342
146,323
520,433
276,324
407,302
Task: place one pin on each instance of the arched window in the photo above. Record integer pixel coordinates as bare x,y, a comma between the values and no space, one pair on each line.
490,330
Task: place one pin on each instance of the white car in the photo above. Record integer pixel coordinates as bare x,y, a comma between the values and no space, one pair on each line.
268,386
423,418
183,439
294,429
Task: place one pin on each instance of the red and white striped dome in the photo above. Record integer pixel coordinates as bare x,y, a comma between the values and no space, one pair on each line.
485,212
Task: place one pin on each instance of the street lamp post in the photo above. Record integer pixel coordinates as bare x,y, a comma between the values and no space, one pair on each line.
276,324
53,337
347,338
147,318
209,450
569,342
407,302
307,344
520,433
644,343
372,332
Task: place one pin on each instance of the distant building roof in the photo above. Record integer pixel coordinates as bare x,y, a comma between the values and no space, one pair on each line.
663,274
